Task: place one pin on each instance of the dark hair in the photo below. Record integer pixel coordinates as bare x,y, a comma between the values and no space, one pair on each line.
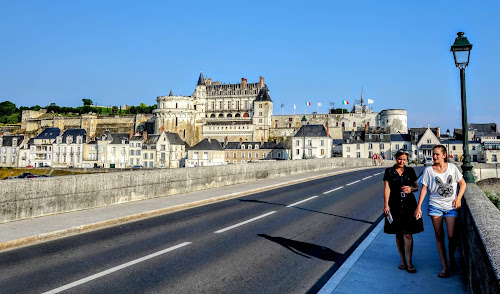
443,150
401,152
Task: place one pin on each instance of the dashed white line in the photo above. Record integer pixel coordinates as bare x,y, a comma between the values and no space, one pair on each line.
333,190
353,182
114,269
243,223
302,201
366,177
376,174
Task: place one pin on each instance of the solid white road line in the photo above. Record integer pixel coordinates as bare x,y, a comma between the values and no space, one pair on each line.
333,190
366,177
243,223
114,269
302,201
353,182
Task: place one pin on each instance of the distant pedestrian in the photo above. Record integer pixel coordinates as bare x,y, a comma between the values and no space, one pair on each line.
374,157
441,180
400,181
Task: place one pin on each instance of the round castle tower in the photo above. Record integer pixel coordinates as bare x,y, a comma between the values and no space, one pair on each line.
396,119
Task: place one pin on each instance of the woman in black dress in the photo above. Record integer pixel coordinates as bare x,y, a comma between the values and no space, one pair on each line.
400,182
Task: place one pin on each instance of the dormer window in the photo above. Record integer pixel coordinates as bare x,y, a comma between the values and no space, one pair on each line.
242,146
14,142
123,142
249,146
256,146
1,142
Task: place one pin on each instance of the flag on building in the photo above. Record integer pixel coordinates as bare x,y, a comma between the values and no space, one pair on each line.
370,101
319,103
308,103
345,102
294,107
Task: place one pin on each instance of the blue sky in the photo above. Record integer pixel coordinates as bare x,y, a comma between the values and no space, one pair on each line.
130,52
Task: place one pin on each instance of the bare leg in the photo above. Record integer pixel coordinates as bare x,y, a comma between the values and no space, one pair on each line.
401,248
452,241
409,249
437,221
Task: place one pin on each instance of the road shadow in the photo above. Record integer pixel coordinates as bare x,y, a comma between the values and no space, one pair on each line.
307,250
315,211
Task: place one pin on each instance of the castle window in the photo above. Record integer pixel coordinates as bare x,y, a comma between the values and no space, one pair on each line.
175,105
337,124
176,122
354,124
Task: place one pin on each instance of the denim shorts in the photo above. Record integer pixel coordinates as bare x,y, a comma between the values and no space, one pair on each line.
435,211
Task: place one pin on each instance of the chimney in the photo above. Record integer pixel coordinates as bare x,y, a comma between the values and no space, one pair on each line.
162,129
243,82
225,141
145,136
208,81
130,135
241,140
327,130
261,82
209,140
261,140
438,131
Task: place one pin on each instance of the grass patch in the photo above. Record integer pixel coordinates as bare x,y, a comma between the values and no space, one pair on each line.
494,198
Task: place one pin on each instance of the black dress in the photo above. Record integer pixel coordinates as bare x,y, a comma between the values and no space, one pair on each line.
402,207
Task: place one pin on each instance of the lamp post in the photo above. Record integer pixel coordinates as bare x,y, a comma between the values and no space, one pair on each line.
448,134
461,53
304,122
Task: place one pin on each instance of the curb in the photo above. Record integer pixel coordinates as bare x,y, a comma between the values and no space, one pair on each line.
31,240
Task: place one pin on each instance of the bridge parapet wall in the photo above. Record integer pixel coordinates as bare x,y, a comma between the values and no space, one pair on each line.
481,241
26,198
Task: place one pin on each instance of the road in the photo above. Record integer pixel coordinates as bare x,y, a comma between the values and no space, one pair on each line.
287,240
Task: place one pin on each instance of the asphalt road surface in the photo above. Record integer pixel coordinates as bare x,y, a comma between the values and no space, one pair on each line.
287,240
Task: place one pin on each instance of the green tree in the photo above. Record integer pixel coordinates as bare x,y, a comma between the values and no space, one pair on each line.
114,109
87,102
7,108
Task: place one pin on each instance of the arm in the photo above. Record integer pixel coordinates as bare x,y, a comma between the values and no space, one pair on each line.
418,211
410,189
457,203
387,192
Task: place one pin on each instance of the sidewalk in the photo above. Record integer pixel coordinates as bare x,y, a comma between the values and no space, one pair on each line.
373,266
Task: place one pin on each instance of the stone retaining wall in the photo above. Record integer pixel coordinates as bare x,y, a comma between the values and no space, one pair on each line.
26,198
481,241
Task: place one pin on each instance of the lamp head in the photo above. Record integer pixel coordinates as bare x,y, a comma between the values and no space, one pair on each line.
461,50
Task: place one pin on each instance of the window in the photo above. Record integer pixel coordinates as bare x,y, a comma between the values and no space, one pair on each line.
358,154
494,158
322,142
405,147
131,162
260,106
358,146
256,155
298,151
242,155
249,155
234,155
131,152
322,151
382,146
454,148
150,155
138,152
298,143
473,147
348,149
429,141
145,156
309,143
397,146
370,146
370,154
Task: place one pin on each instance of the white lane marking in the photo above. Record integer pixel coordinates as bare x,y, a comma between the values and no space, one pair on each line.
376,174
333,190
353,182
114,269
366,177
302,201
243,223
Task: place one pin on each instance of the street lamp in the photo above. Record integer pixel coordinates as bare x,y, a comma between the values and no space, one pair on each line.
448,134
304,122
461,53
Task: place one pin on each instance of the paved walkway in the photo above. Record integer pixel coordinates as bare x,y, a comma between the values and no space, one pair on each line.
372,268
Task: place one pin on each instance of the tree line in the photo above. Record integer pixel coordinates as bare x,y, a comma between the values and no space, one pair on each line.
11,114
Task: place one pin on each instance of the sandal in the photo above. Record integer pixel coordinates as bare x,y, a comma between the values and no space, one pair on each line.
443,275
402,266
411,270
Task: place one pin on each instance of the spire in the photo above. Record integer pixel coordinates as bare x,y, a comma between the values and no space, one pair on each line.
170,93
362,98
201,80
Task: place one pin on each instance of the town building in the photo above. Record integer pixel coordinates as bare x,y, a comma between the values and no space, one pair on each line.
312,141
208,152
10,146
67,149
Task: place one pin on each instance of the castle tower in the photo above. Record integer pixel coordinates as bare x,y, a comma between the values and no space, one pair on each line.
200,97
262,113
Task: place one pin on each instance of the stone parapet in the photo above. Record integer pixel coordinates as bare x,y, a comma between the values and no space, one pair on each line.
27,198
481,241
